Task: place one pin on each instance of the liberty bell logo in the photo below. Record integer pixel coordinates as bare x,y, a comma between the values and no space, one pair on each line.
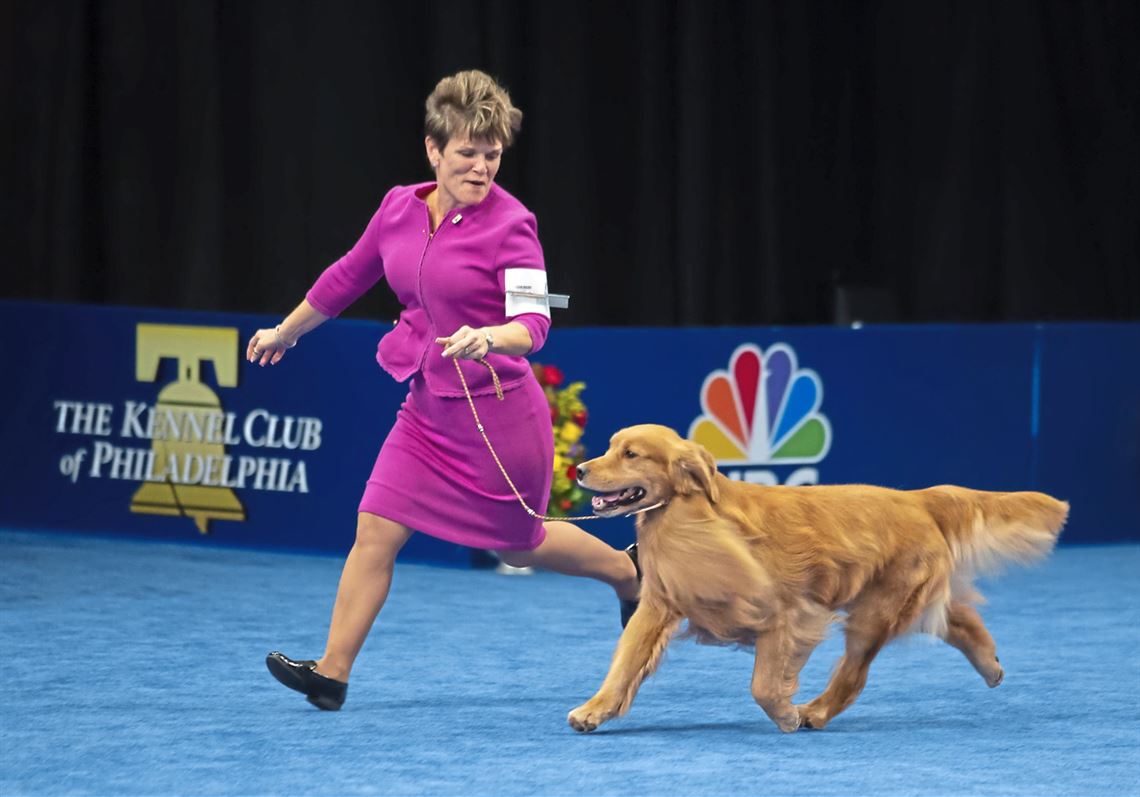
180,421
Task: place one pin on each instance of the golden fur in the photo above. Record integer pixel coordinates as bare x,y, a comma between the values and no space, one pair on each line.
771,567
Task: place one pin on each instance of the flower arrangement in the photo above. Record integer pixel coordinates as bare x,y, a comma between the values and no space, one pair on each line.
568,418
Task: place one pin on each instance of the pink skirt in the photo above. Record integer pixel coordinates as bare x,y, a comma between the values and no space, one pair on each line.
435,475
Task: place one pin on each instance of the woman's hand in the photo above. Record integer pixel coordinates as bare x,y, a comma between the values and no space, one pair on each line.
267,346
466,343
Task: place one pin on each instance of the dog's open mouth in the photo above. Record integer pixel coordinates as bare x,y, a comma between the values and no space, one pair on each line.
609,502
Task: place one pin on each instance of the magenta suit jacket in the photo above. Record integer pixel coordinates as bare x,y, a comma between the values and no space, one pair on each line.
445,280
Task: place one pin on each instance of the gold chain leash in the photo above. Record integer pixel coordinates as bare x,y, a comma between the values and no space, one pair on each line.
479,424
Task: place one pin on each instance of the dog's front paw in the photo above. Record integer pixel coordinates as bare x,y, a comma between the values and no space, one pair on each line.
588,716
789,722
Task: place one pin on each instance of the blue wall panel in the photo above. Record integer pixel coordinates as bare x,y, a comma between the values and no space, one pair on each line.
1052,407
1088,442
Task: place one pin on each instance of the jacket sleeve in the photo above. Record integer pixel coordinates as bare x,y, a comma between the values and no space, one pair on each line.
349,278
521,249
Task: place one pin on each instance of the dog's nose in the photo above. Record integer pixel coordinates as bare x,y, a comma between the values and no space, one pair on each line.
580,472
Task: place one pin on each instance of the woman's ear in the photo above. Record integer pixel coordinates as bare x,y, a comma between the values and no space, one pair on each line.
693,468
434,156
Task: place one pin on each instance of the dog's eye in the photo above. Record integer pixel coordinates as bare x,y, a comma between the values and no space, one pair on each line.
630,454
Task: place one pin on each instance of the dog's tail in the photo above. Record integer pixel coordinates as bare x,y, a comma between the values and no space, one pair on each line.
987,530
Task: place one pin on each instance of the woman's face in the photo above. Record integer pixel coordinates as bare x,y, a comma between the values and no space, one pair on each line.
464,169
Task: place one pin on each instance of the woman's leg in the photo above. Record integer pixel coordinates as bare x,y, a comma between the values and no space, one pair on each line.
364,584
570,550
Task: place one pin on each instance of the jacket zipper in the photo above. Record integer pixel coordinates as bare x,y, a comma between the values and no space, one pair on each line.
420,284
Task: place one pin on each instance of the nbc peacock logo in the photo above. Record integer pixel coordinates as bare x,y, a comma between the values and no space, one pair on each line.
761,412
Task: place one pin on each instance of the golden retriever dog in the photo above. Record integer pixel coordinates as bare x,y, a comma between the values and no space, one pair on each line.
772,567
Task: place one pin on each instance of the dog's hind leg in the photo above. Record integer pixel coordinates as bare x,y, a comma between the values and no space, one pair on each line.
638,653
849,678
966,632
872,623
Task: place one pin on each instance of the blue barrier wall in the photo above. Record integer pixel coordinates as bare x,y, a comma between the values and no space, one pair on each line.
1003,407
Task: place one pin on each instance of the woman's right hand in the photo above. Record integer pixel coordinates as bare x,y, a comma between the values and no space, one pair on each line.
267,347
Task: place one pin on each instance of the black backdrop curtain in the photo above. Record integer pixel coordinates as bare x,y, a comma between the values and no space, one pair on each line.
689,162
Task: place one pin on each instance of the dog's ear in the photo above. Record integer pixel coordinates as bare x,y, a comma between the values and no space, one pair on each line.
693,468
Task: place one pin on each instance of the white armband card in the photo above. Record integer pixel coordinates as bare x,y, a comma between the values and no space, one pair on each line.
526,292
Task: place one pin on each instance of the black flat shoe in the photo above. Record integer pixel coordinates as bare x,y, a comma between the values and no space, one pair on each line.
324,693
629,607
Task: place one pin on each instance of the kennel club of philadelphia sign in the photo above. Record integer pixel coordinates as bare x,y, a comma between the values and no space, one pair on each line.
180,447
763,411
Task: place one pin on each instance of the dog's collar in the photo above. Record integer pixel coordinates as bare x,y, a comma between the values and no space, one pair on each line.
658,505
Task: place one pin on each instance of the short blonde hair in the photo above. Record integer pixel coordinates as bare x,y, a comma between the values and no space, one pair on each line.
471,103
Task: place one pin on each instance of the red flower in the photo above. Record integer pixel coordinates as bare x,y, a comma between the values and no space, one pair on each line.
552,375
554,415
572,472
566,503
580,418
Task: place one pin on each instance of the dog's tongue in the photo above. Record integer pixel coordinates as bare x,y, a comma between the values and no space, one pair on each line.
602,500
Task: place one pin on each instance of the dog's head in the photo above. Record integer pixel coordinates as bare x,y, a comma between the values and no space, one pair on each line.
646,465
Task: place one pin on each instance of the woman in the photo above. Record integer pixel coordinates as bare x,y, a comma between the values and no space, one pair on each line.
445,247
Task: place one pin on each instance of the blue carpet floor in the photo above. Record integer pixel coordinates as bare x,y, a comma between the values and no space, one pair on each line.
137,668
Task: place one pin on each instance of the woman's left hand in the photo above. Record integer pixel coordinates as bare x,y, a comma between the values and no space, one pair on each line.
465,343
